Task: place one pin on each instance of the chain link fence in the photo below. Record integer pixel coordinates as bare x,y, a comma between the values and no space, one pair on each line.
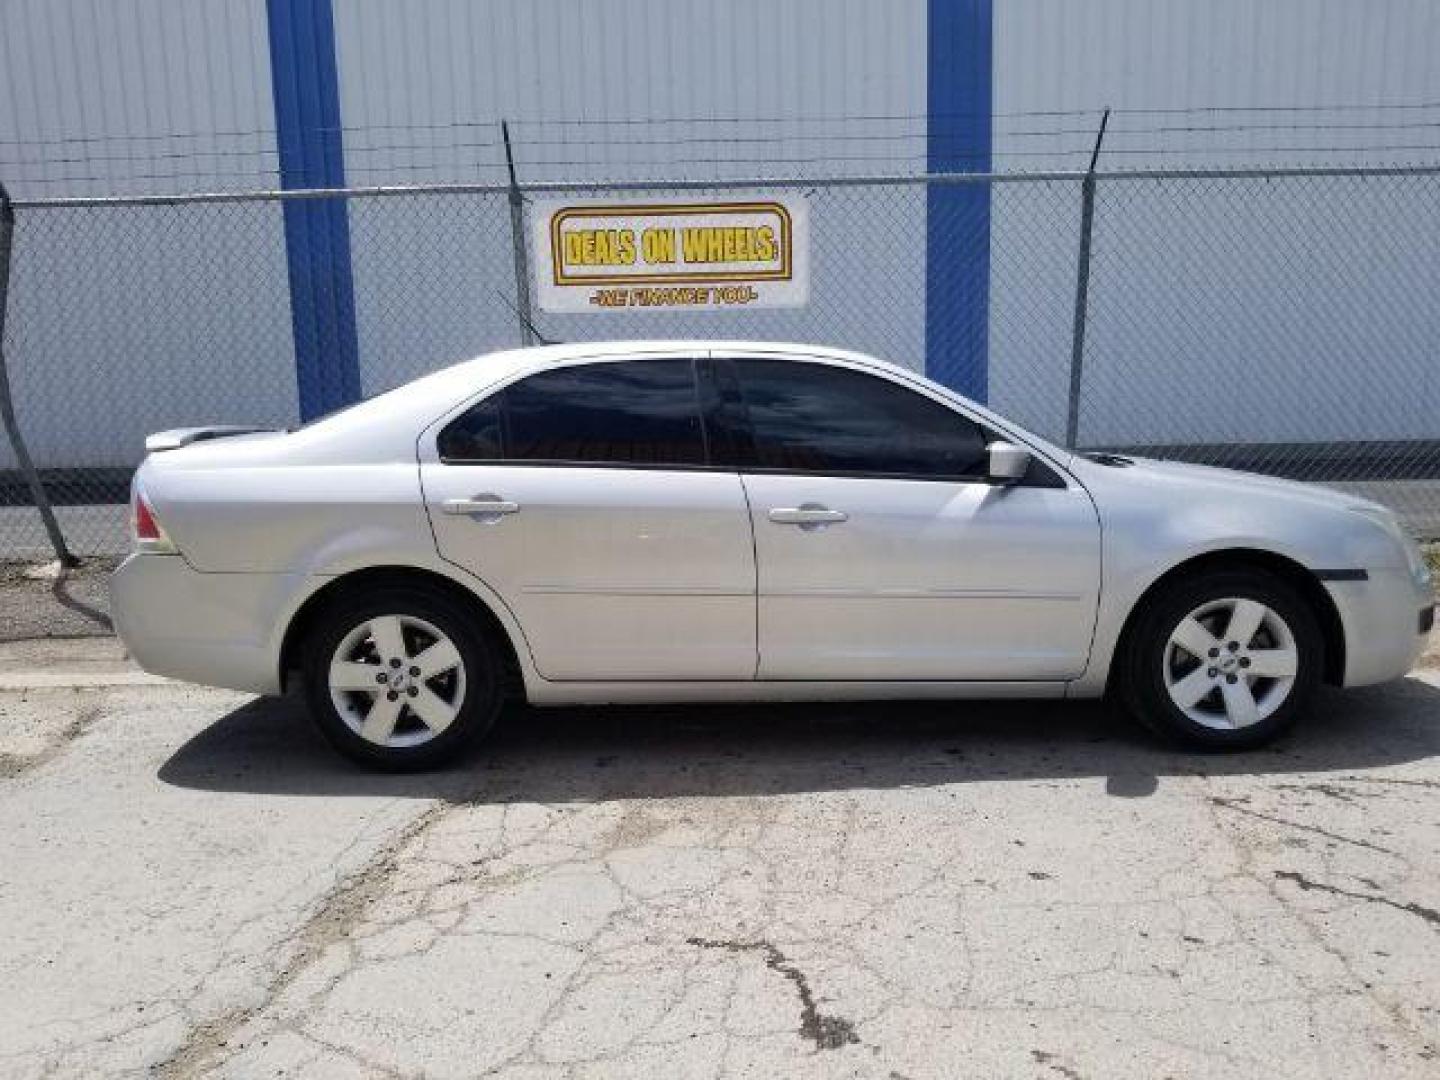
1278,321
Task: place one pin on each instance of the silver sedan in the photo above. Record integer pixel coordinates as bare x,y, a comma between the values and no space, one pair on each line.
713,521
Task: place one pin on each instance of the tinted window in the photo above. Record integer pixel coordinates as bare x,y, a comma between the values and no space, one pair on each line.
475,436
816,418
639,412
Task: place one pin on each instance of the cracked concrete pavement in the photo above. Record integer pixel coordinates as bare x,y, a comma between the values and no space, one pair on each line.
192,884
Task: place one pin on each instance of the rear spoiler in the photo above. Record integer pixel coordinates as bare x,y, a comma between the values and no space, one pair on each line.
175,438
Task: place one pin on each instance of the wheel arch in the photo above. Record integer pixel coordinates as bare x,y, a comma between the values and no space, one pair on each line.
1298,576
402,576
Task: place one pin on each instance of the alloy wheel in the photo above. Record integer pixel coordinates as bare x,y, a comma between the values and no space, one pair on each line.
397,681
1230,663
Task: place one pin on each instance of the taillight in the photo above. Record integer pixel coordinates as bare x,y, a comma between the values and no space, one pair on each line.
149,535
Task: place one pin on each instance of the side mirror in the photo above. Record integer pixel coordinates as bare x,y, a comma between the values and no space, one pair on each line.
1008,462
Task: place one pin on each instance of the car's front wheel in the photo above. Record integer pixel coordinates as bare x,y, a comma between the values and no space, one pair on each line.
401,679
1223,661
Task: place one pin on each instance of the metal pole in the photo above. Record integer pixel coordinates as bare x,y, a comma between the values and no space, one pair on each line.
1082,287
7,404
517,242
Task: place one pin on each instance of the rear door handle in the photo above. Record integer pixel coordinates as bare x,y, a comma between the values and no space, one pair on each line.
810,515
482,504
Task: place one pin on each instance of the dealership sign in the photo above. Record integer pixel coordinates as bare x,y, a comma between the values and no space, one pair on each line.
672,255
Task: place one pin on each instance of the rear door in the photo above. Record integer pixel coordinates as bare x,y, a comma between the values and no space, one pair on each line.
585,496
882,550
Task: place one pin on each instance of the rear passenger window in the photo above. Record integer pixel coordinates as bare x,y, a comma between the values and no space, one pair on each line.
635,412
476,436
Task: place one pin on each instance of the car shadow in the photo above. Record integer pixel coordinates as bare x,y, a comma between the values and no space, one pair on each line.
583,755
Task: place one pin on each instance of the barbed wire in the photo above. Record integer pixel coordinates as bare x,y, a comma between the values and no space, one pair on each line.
904,142
756,119
1339,107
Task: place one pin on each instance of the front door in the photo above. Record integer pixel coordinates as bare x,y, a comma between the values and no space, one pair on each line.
882,551
584,497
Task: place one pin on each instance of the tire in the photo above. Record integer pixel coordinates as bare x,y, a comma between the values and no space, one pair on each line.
431,706
1180,650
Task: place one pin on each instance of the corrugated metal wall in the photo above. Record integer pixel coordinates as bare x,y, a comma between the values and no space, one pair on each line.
1157,57
154,95
134,96
151,95
1283,82
141,320
632,90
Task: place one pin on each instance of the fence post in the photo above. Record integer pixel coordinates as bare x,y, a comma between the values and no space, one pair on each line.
517,242
7,404
1082,288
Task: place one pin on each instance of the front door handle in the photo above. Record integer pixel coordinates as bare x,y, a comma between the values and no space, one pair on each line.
809,516
481,505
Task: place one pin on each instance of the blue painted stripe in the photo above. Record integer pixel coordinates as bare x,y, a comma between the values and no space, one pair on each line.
957,230
317,231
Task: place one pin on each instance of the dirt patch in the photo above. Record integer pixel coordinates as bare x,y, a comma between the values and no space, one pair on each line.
13,765
75,603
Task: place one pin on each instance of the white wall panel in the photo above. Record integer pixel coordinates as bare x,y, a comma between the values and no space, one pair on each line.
1054,55
1178,352
124,321
633,89
156,95
134,97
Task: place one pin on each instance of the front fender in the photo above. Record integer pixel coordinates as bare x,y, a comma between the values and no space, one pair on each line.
1147,531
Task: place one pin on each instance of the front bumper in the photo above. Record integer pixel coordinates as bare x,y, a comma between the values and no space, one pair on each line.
1381,616
215,629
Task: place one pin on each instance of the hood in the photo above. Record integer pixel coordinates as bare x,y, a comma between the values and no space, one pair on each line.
1176,477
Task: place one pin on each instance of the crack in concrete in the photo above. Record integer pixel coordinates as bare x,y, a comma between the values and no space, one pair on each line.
826,1032
336,915
728,868
1044,1057
1235,806
1330,791
1399,780
1247,858
1305,884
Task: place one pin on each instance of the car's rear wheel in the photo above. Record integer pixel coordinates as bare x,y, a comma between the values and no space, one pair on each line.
401,679
1223,661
